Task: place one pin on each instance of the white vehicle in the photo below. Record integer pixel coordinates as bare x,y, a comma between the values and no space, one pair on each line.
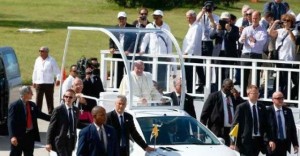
177,133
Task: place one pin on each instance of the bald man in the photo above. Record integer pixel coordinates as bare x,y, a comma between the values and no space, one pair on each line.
98,139
281,119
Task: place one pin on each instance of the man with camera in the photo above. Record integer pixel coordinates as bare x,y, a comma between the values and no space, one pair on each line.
226,36
208,21
92,83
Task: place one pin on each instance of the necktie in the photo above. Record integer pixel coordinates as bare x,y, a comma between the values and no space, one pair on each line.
123,140
178,99
229,110
101,136
280,127
255,120
71,124
28,116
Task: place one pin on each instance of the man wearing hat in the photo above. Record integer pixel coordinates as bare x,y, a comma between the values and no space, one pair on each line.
126,40
159,44
44,71
208,21
226,36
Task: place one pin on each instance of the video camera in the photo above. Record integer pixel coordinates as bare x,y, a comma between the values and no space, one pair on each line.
209,6
84,63
223,23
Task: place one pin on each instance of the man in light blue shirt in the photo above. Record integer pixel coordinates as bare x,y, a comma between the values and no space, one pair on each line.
254,38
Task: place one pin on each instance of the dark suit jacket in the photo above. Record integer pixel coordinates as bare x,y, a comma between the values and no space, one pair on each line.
230,41
243,117
130,129
213,113
290,128
59,126
17,120
89,143
92,89
129,39
188,103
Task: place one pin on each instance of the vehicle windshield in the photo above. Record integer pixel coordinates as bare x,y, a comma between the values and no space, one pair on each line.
176,130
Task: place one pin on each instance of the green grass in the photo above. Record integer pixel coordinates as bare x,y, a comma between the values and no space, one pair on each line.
56,15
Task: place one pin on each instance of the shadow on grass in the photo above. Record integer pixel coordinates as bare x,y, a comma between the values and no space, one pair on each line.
46,24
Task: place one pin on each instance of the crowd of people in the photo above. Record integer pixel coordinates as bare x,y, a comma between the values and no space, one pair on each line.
251,36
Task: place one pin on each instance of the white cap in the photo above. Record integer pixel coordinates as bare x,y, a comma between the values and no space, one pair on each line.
122,14
158,12
225,15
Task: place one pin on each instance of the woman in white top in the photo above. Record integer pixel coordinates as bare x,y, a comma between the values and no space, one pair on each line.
285,42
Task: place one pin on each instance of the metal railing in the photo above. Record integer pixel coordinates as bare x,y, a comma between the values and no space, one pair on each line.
212,69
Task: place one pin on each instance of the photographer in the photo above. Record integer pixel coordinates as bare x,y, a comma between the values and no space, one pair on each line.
208,21
285,46
226,36
92,83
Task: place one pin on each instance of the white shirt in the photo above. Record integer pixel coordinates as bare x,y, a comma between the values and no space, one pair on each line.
282,120
159,42
226,116
288,48
206,27
239,22
192,40
259,34
45,70
298,17
67,84
257,113
142,87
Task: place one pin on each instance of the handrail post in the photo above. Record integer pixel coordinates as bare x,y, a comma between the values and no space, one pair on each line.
254,73
207,89
103,67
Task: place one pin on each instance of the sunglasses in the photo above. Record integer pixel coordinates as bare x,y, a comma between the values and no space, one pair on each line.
144,14
42,51
249,14
286,20
68,97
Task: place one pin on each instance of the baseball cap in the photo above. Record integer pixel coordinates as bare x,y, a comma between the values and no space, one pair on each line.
158,12
225,15
44,48
122,14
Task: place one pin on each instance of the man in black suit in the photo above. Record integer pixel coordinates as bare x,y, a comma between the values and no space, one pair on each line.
22,123
92,84
98,139
126,39
218,111
123,123
283,126
176,98
253,126
61,134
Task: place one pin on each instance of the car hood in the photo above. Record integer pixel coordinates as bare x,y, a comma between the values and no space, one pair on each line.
192,150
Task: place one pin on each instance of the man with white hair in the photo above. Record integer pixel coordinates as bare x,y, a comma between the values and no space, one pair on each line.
142,84
44,71
239,21
22,123
192,47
